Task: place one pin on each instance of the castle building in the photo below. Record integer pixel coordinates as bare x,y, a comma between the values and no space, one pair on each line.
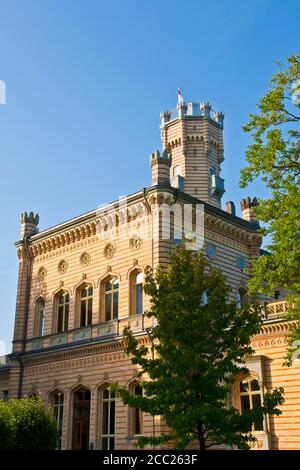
81,283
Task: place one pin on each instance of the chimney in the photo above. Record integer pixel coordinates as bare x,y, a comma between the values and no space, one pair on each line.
230,207
247,206
29,224
160,165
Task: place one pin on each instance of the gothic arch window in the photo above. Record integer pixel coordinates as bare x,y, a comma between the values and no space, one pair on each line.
107,419
81,419
136,293
136,415
85,305
250,398
110,301
57,407
62,301
39,321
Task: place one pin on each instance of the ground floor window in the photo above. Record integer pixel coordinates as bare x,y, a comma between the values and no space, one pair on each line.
107,419
250,398
57,404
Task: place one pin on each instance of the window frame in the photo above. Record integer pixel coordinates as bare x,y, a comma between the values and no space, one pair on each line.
66,311
85,299
250,393
39,320
110,293
108,435
59,417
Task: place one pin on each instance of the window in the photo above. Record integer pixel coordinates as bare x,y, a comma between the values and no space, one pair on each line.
5,395
62,312
81,419
137,414
86,306
107,420
241,297
138,293
39,317
111,295
212,171
57,404
250,398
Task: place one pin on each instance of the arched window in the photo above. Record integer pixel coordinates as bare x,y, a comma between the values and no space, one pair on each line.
39,317
138,293
250,398
57,406
137,414
62,314
107,420
241,297
111,299
86,306
81,419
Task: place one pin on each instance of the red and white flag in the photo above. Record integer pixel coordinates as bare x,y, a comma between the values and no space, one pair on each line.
180,99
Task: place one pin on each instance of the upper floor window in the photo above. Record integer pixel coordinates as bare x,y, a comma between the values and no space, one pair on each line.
39,317
212,170
86,306
250,398
107,420
63,300
111,294
138,293
57,406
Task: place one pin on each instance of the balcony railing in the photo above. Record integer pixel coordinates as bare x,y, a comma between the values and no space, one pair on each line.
276,309
99,331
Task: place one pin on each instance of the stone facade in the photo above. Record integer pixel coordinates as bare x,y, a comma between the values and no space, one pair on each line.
67,345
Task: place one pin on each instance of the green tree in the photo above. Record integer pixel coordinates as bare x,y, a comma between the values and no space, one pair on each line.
198,348
25,425
274,156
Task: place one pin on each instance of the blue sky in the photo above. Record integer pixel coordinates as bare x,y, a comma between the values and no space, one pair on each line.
86,81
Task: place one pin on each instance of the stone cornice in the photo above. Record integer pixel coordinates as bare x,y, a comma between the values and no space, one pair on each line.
77,352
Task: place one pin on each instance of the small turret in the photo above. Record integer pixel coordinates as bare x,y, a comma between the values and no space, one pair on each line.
29,224
160,165
247,206
230,207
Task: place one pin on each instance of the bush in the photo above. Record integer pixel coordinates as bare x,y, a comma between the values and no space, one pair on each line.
25,425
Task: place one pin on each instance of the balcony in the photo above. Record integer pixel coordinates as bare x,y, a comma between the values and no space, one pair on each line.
275,310
217,188
97,332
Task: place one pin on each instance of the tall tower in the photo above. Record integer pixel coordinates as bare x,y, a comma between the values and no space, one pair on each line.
193,134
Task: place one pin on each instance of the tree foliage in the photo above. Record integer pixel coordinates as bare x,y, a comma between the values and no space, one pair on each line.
198,348
25,425
274,156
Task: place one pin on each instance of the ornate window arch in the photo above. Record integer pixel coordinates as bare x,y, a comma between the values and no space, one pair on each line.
39,318
250,397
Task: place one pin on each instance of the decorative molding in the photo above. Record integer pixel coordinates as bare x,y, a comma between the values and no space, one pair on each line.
109,250
62,266
85,258
42,273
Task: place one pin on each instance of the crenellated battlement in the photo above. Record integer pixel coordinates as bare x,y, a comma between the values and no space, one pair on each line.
29,224
192,109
